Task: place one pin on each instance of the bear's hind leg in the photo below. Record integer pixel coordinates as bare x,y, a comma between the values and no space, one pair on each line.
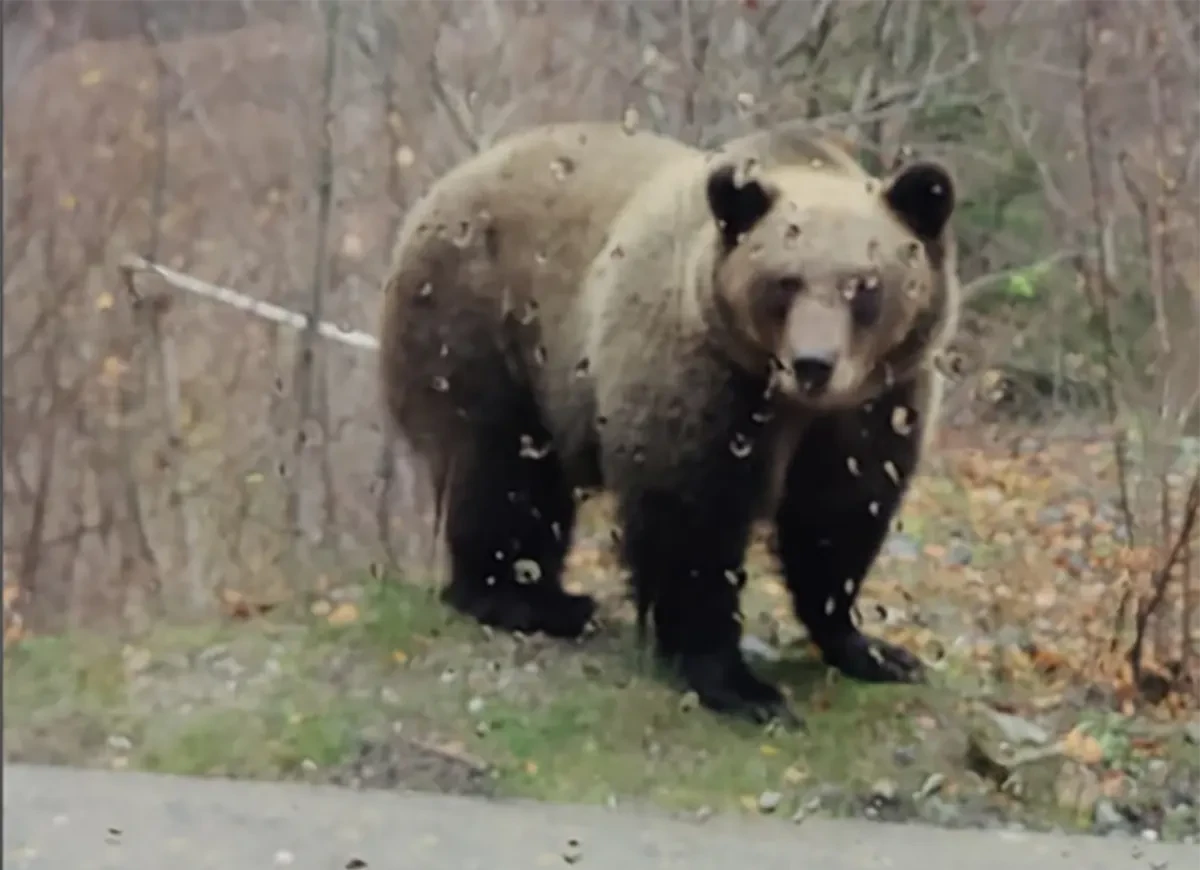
510,515
846,482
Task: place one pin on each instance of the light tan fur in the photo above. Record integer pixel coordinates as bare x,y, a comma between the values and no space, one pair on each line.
650,305
542,201
596,250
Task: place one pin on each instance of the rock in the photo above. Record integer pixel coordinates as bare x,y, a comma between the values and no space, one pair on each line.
901,545
1014,729
573,853
1157,771
1010,751
941,812
1191,731
769,801
806,809
932,785
756,647
1107,819
905,756
884,791
959,553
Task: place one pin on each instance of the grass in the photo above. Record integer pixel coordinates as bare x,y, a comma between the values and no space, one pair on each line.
399,691
555,721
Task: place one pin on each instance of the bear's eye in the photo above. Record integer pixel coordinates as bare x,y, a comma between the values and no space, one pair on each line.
866,299
781,293
790,286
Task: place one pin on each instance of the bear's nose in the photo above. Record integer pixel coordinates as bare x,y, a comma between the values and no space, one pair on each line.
814,372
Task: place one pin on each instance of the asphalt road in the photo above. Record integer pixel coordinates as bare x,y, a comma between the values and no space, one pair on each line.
65,819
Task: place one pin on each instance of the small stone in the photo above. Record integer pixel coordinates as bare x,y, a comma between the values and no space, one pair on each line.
756,647
475,706
573,854
1106,818
806,809
958,553
769,801
941,812
1017,730
884,791
284,858
905,756
932,785
119,743
900,545
1150,835
1191,731
704,813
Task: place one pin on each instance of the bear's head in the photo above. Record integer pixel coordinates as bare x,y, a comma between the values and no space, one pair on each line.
840,283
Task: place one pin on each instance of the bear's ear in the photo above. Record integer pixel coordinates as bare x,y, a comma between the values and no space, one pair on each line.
922,195
737,202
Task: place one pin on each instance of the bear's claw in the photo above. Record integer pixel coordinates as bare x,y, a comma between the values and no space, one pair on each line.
871,660
724,683
550,611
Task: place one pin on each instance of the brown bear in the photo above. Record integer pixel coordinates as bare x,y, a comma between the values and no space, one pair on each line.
716,338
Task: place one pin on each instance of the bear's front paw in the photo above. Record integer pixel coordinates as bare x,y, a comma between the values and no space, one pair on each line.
871,660
724,683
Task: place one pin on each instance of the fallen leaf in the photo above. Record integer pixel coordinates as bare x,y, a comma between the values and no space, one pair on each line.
344,614
1082,747
91,78
399,656
794,775
237,606
104,301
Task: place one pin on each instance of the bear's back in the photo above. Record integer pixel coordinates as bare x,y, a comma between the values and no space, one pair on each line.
534,208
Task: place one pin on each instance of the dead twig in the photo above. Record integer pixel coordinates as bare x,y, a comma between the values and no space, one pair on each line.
132,264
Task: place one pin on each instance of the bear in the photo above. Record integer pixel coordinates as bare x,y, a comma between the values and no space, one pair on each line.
719,338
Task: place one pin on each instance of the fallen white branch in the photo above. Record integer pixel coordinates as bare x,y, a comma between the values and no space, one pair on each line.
132,264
